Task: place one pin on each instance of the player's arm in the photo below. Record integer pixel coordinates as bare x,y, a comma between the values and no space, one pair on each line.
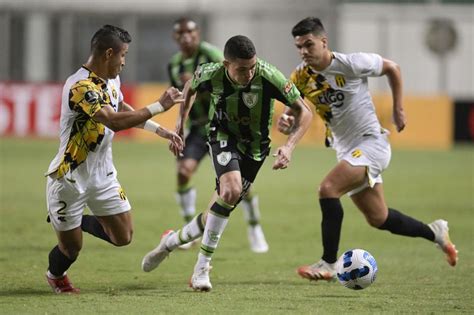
127,119
394,75
302,119
189,95
155,127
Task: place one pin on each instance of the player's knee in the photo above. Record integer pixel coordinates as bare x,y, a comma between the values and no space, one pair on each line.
231,194
71,250
375,220
122,239
184,173
327,190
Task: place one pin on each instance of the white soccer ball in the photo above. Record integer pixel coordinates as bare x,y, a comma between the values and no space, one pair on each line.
356,269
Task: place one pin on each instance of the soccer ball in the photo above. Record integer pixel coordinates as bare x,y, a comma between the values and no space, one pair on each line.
356,269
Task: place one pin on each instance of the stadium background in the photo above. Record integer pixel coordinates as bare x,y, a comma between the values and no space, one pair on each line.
45,41
431,174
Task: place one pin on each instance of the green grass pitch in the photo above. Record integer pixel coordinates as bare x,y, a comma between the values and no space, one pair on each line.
413,275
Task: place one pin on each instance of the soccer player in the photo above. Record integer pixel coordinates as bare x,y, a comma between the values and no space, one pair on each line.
243,89
82,173
194,52
336,84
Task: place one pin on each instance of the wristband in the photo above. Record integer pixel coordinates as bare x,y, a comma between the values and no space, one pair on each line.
155,108
150,125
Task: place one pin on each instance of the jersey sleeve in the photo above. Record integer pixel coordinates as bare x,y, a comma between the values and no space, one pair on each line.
85,96
366,64
203,73
284,89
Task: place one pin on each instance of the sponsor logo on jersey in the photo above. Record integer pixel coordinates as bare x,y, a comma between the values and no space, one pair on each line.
223,158
114,93
357,153
340,80
250,99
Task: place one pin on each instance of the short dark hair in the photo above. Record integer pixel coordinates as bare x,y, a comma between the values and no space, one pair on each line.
308,25
109,36
239,46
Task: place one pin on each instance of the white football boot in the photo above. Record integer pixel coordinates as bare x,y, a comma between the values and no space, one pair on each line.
441,232
200,279
154,258
257,241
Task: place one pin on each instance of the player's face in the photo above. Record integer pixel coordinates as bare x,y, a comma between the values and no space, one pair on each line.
116,60
241,71
186,35
311,48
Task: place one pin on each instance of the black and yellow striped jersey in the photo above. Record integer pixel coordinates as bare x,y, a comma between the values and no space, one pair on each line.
84,94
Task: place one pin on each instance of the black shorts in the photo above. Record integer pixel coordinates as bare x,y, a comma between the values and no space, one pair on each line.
226,158
195,147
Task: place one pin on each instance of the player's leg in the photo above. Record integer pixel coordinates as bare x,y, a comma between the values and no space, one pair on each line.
230,190
372,204
186,194
65,206
341,179
194,151
170,240
112,220
258,243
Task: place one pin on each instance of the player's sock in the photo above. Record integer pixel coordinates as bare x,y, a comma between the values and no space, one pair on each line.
251,209
58,262
91,225
186,198
216,222
188,233
398,223
332,213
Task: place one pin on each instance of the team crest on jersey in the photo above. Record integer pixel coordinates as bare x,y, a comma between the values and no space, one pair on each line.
114,93
223,158
357,153
250,99
340,80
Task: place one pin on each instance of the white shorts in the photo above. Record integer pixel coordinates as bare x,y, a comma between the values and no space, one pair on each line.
66,204
374,153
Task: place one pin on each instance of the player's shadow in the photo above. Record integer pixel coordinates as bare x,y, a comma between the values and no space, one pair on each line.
25,292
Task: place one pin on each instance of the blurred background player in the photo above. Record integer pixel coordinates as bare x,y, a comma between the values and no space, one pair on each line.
82,173
243,91
194,52
337,85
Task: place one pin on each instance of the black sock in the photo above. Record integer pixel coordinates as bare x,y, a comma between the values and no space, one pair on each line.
58,262
331,209
398,223
91,225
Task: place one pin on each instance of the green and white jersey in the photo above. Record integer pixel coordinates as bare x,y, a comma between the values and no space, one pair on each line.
244,113
179,68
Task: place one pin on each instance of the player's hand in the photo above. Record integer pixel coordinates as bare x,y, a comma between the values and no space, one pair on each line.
170,97
285,123
173,138
399,119
175,149
283,157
